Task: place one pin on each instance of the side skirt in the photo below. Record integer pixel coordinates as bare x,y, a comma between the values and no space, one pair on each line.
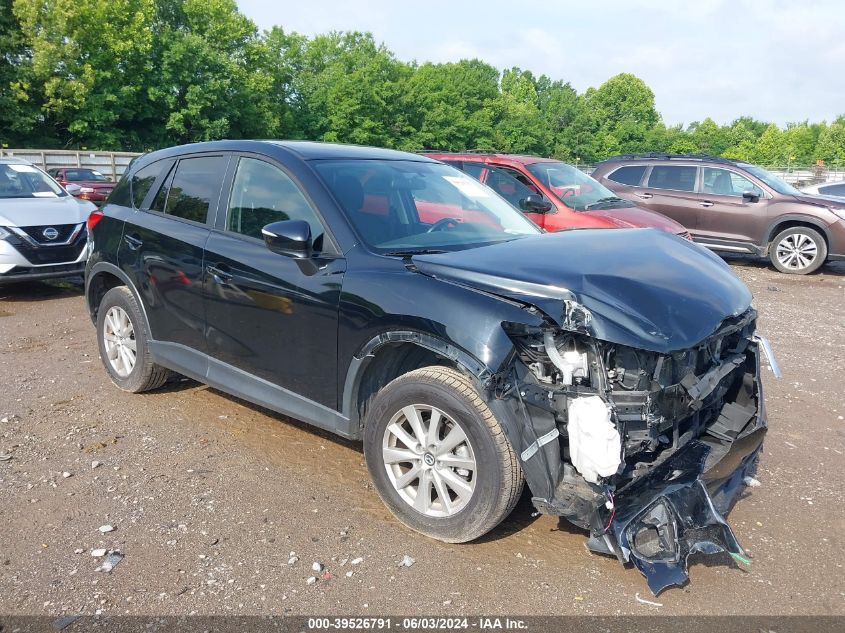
246,386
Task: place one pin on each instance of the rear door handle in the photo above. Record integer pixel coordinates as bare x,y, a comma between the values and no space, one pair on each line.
706,203
133,242
218,273
645,196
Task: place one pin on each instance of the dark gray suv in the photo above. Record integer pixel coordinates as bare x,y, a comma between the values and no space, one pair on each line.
733,206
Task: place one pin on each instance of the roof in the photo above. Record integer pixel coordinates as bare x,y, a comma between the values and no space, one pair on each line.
305,150
522,159
669,157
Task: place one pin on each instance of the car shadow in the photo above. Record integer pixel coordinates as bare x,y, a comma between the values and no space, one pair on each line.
836,268
29,291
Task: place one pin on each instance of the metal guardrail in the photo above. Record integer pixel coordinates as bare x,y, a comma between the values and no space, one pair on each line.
111,164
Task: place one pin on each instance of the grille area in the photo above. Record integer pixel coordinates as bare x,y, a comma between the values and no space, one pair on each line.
46,254
37,232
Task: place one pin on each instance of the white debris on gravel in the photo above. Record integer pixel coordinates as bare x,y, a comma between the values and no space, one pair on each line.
407,561
317,567
112,561
349,574
292,560
311,580
105,529
356,561
751,482
4,457
97,553
78,550
648,602
96,464
66,474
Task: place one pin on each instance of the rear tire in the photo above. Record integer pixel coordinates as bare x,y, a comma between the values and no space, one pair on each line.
799,250
122,339
433,420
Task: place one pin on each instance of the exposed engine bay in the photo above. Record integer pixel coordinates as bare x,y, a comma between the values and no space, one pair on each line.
646,450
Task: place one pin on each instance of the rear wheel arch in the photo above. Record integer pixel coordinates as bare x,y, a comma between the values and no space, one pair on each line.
103,277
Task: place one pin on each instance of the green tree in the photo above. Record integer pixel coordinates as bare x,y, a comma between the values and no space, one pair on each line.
451,106
708,137
19,100
520,128
831,144
770,149
89,59
349,89
623,110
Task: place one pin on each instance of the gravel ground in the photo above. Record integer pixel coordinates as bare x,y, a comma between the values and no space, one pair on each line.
220,507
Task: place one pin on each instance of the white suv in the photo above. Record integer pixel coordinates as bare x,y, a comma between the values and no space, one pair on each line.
42,226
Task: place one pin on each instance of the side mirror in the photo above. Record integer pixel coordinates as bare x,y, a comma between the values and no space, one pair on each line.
73,189
535,203
288,237
751,196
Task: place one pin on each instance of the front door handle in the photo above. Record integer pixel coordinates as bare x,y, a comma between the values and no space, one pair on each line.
218,273
706,203
133,242
645,196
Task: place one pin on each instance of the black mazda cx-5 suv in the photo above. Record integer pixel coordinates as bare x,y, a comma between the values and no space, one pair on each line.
388,297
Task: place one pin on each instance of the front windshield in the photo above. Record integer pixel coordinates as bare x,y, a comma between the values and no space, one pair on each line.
19,180
772,181
573,187
404,206
84,175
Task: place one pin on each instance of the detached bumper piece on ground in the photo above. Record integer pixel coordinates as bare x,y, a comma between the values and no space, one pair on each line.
652,468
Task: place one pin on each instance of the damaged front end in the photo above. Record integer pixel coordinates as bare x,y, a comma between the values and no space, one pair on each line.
647,450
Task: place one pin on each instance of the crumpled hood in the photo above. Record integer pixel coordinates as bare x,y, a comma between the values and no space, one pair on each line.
43,211
645,288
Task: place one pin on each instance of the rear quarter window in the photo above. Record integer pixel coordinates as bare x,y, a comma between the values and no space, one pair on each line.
628,175
675,177
833,190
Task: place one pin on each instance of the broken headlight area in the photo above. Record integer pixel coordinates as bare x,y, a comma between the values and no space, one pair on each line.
602,424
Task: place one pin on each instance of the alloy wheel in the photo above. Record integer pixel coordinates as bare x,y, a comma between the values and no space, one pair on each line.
797,251
119,339
429,460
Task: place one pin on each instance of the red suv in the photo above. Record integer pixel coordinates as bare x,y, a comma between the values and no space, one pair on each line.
555,195
94,186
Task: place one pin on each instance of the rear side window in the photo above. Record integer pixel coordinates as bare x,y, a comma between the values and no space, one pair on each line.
191,188
833,190
628,175
142,180
676,177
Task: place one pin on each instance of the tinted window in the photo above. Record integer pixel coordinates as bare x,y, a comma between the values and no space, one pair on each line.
121,195
628,175
21,180
473,169
161,197
192,188
262,194
677,177
833,190
508,186
143,180
722,182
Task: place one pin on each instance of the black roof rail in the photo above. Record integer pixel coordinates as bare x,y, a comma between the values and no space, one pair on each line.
667,156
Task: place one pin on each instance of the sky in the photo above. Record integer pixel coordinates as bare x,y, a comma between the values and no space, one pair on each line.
775,60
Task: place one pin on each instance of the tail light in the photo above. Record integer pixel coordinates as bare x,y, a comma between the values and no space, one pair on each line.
94,219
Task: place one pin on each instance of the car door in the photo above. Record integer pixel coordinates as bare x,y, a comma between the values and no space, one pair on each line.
671,190
163,242
515,186
725,213
272,316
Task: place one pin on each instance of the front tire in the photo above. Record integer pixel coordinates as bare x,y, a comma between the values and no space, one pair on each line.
798,250
438,457
122,339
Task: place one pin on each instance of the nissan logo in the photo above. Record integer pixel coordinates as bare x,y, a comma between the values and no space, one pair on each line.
50,233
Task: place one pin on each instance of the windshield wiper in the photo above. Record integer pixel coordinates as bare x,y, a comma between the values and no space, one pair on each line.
603,201
414,251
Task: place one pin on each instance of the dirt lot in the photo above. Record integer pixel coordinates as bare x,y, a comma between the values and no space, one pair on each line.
209,496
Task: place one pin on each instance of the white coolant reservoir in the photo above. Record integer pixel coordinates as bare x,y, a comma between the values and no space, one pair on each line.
594,444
